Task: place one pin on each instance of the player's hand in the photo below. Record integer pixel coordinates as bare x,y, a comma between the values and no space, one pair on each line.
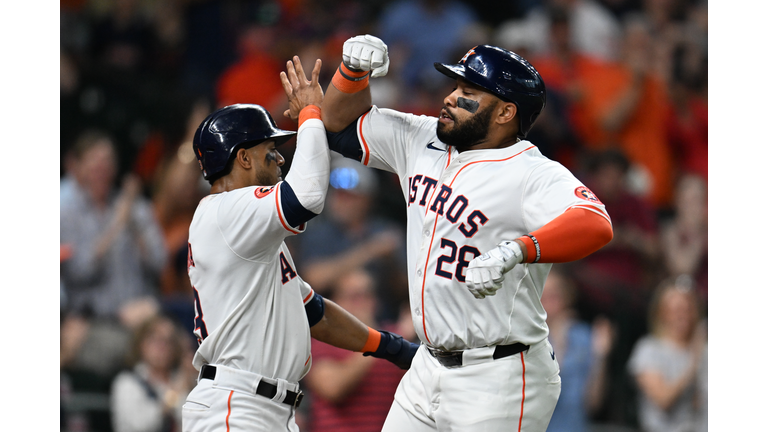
367,53
395,349
300,91
486,272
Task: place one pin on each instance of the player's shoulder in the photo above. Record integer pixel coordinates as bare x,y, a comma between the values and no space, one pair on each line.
223,203
410,119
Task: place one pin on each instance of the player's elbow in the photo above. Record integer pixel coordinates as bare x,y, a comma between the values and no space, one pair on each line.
314,203
604,234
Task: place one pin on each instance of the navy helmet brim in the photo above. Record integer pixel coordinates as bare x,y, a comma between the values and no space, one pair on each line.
451,70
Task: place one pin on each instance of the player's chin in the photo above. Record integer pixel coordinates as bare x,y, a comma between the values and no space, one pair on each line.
443,128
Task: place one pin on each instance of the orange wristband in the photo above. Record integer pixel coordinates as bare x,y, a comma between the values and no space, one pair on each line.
374,338
309,112
348,81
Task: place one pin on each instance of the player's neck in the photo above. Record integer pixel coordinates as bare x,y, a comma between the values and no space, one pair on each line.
228,183
493,144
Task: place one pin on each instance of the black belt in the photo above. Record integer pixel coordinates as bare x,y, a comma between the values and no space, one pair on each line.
454,358
264,388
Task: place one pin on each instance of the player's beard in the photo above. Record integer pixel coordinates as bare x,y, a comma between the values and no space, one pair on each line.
265,178
467,133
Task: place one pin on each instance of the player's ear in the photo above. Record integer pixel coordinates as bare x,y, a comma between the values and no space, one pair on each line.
506,112
243,158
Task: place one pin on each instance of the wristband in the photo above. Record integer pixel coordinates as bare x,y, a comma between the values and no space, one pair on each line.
349,81
309,112
536,245
374,339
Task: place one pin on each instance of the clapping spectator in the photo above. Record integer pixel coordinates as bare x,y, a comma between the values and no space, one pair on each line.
116,244
666,363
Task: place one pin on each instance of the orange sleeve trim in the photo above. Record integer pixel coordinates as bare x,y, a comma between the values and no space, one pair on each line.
374,339
311,293
571,236
366,150
309,112
348,81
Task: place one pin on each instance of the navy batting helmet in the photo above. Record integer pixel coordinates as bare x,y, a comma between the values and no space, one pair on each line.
227,129
505,74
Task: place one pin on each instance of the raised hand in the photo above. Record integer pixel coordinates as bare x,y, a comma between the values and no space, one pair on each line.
300,91
367,53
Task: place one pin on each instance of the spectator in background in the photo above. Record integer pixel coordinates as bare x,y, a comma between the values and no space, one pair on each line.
352,393
582,351
147,397
666,362
347,236
421,32
117,248
255,77
684,238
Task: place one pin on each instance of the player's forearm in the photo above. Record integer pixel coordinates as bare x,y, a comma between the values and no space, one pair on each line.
340,328
571,236
344,102
662,393
308,176
597,384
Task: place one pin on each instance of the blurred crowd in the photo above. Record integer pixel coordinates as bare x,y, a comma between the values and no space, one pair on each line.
626,112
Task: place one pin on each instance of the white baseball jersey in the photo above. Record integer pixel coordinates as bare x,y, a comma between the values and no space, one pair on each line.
249,299
460,205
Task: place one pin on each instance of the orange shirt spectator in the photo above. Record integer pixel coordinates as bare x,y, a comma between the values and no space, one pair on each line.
622,109
255,77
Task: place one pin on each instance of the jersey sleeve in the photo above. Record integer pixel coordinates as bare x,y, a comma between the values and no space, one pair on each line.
550,190
253,221
307,293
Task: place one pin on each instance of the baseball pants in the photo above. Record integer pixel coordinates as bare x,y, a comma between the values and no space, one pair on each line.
514,393
230,403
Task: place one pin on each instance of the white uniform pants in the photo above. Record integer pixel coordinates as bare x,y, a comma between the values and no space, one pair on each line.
515,393
230,403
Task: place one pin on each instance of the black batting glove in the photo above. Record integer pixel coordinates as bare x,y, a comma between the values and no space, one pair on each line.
395,349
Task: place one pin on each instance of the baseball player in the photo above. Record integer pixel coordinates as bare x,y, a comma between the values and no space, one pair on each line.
488,214
253,313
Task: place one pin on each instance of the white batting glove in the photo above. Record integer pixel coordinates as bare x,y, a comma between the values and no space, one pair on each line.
366,53
486,272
